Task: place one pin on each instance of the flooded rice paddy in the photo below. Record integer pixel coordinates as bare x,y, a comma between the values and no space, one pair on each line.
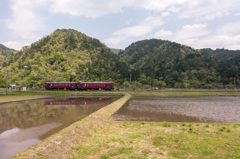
23,124
190,109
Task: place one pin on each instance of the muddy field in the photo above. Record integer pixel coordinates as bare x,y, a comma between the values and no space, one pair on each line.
181,109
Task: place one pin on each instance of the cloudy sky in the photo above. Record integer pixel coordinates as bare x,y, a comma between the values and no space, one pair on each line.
118,23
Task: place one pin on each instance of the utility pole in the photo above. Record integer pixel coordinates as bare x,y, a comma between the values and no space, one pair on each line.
7,83
20,83
10,79
186,83
135,82
130,82
124,82
235,87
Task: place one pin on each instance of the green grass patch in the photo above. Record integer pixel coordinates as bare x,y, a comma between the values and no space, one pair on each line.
166,124
121,150
200,144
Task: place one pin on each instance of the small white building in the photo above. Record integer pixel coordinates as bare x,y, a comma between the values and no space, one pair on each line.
12,86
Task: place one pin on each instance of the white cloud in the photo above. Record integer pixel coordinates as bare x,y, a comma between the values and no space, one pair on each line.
194,26
134,31
141,30
191,32
90,8
156,5
201,10
115,41
229,28
14,45
96,8
25,21
218,41
162,33
164,14
208,10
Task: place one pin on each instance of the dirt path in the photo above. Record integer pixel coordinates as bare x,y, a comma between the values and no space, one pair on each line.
6,99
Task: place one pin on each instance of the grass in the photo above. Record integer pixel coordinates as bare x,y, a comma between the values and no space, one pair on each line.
97,137
6,99
63,93
183,93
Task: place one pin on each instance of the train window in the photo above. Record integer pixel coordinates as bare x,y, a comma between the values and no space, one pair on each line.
97,84
94,84
60,85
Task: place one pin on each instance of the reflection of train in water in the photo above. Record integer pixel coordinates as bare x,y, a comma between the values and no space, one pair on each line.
77,101
80,85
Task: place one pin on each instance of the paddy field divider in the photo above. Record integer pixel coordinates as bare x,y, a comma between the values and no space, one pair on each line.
65,143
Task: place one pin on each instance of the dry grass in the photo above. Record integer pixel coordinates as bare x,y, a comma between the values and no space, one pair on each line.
6,99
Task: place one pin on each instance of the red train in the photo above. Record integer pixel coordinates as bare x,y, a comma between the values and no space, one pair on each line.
80,85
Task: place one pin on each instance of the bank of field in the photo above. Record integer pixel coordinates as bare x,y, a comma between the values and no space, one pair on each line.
14,96
97,137
6,99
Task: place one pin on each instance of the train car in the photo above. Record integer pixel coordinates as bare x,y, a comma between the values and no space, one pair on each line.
96,86
61,85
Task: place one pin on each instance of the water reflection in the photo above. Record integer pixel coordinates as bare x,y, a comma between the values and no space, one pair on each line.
23,124
194,109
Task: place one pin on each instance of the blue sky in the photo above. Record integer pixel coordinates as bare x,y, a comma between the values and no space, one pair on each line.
118,23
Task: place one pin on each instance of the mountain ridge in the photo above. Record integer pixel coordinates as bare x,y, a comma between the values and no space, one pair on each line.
66,55
69,55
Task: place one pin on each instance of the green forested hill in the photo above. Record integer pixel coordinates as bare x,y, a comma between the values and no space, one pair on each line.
220,54
163,63
5,53
66,55
229,61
